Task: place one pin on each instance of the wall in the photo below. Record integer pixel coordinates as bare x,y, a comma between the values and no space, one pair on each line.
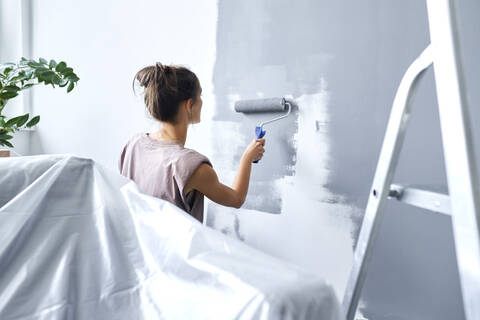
11,49
106,43
340,61
289,211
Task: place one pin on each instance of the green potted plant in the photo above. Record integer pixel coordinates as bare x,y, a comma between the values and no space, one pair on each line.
15,77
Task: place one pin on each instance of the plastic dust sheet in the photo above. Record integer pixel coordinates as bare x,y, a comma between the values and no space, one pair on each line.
78,241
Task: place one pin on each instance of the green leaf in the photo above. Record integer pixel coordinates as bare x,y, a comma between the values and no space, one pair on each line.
52,64
17,78
63,83
70,87
23,119
73,79
43,61
12,121
57,80
42,69
28,85
11,88
34,64
8,95
6,143
45,75
61,66
33,122
7,70
48,75
71,76
6,129
5,136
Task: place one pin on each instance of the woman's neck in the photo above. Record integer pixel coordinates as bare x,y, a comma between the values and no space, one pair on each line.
171,132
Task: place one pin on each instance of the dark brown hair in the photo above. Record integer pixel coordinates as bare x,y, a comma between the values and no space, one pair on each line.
165,87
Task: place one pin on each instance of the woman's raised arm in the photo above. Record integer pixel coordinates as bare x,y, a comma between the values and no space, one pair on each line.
205,179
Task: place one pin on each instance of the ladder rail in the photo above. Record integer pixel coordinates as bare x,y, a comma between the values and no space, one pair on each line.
460,164
379,192
463,202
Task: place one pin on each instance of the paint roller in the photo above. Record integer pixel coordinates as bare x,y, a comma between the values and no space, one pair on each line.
264,105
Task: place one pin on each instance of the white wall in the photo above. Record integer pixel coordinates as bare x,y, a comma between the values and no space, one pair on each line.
107,42
11,50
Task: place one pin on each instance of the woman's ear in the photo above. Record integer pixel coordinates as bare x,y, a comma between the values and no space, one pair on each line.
189,105
189,109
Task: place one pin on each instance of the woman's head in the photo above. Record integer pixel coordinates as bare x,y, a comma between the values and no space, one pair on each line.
170,91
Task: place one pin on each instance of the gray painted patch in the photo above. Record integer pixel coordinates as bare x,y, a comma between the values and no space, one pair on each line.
272,55
262,60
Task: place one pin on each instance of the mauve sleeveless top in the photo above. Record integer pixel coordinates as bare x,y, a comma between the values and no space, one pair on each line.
161,169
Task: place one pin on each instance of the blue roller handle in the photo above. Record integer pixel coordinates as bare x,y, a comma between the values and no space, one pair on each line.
259,133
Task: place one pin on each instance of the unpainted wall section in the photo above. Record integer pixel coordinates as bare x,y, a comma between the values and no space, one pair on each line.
107,42
11,50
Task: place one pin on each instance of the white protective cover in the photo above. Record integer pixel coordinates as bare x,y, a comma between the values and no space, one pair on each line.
78,241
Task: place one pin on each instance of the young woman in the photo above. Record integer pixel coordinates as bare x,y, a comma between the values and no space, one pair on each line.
160,164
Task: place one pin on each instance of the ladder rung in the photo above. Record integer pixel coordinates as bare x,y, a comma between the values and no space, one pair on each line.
437,202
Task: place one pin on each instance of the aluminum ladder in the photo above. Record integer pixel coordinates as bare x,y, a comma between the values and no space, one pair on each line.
462,203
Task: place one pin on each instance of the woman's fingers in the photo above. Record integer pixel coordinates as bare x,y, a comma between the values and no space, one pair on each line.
261,151
257,148
261,141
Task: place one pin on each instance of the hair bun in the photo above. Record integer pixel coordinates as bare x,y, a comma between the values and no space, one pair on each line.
144,76
165,87
164,69
160,67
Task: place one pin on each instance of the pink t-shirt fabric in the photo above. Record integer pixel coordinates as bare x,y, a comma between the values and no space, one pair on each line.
161,169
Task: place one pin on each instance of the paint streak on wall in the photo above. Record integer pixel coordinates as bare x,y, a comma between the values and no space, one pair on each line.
289,212
314,228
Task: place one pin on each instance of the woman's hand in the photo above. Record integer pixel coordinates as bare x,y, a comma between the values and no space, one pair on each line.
255,150
205,179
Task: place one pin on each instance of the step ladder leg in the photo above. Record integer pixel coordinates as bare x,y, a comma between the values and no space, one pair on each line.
383,178
462,175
